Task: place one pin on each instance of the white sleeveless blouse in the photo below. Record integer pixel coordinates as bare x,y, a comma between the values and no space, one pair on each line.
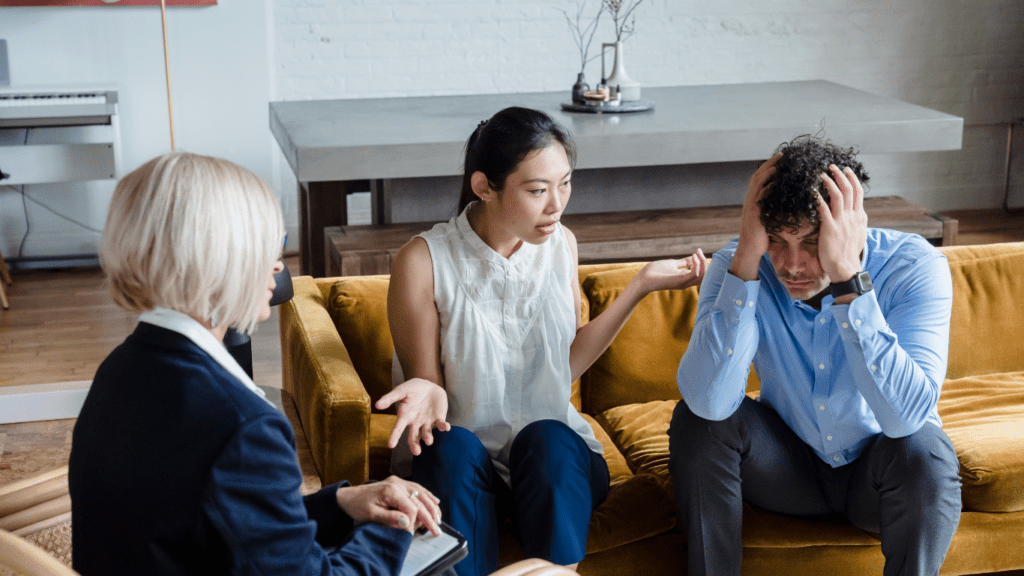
506,328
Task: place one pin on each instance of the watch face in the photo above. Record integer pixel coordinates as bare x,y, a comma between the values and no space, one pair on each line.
863,282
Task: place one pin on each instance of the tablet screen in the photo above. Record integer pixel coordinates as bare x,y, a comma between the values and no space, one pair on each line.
428,552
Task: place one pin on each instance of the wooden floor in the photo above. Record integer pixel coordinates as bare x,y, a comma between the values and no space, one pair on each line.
63,323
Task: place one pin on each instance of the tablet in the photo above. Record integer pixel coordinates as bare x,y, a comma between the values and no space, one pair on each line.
429,555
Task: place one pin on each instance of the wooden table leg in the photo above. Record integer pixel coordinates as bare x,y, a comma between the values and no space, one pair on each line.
321,204
380,209
950,228
303,230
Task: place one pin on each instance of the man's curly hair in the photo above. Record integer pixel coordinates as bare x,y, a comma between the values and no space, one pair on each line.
789,199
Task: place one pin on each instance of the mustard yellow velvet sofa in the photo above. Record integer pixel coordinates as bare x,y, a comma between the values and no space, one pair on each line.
336,356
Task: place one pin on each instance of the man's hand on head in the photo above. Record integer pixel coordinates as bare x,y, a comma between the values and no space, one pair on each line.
753,241
844,224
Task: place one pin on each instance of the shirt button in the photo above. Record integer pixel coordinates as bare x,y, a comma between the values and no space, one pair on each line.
845,325
729,351
822,320
751,303
821,366
829,438
822,407
739,302
874,367
836,458
857,322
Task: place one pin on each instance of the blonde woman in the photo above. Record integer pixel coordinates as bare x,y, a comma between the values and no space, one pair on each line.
179,465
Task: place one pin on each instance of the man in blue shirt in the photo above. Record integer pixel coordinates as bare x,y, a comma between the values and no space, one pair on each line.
848,330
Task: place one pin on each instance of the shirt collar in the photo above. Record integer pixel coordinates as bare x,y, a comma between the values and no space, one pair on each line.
188,327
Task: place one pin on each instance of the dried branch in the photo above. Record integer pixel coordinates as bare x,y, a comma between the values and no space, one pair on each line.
622,17
583,35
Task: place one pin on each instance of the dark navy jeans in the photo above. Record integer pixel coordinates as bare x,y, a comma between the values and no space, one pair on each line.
557,482
906,490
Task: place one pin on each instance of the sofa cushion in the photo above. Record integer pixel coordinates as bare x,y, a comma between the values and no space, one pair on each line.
637,506
618,470
359,307
635,509
984,417
640,431
987,326
641,363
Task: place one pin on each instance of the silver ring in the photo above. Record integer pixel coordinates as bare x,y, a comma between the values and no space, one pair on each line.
414,494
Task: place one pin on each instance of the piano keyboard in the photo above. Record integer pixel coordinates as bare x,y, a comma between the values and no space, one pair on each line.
10,101
56,106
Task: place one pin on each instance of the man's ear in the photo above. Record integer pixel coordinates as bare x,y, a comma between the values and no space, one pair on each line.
481,187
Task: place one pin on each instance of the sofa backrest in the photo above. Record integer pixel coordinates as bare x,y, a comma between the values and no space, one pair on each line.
986,328
986,331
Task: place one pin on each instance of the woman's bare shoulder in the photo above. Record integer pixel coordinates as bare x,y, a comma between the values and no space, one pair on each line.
413,260
570,239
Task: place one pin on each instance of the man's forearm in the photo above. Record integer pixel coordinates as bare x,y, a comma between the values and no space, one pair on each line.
745,264
898,360
712,374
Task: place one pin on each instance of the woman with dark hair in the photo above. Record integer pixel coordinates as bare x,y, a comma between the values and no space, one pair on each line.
485,314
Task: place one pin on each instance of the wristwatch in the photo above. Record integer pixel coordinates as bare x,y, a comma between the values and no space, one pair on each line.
859,284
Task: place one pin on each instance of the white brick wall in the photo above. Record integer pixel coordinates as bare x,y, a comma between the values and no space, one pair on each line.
963,58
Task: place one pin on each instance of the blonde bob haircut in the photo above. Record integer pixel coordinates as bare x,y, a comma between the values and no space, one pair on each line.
195,234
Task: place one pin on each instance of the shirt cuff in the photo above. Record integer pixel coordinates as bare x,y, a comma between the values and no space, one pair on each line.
736,298
859,318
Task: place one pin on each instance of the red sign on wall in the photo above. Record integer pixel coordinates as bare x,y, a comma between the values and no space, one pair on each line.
106,2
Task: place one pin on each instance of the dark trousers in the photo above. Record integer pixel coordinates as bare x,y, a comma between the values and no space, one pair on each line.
907,489
557,481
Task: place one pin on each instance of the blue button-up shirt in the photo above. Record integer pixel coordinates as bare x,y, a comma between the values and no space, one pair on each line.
837,376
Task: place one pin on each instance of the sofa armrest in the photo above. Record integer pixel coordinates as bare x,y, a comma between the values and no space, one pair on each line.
317,371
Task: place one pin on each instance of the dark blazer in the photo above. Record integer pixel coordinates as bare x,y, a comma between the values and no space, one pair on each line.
177,468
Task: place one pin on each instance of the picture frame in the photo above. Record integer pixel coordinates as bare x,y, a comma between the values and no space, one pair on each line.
66,3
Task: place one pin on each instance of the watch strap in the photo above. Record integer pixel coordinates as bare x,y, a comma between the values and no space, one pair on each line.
859,284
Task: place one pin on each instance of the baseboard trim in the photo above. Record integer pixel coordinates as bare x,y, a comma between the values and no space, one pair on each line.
36,402
61,400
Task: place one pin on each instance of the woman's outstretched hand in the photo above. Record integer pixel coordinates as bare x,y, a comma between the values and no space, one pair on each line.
422,406
673,274
393,502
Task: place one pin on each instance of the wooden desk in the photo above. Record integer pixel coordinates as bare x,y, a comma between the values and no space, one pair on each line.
623,236
332,145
